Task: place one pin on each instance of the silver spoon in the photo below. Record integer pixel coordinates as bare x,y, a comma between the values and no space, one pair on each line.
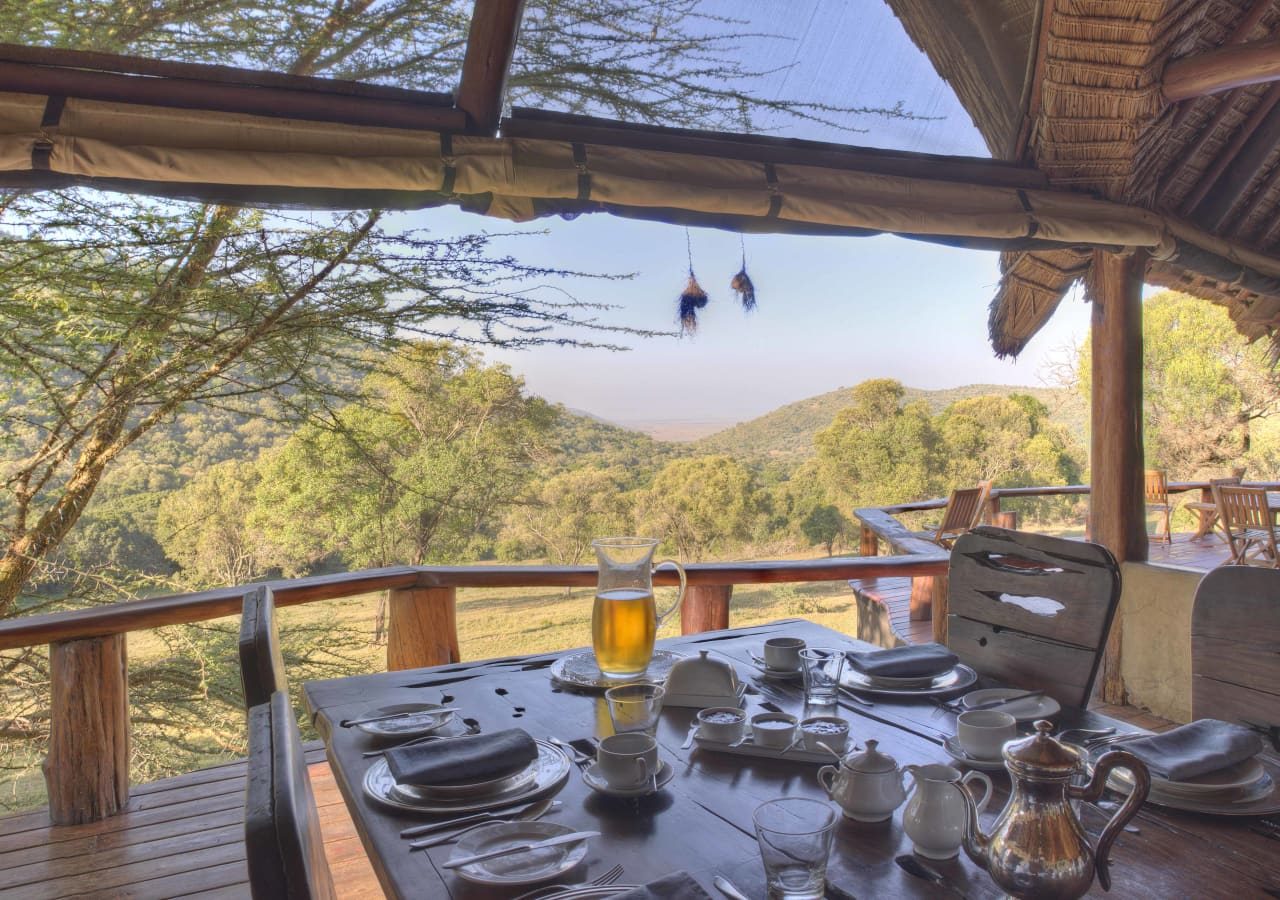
688,738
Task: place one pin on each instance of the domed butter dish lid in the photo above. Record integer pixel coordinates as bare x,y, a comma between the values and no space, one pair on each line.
700,681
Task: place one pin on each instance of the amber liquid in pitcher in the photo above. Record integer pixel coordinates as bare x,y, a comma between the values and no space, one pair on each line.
623,626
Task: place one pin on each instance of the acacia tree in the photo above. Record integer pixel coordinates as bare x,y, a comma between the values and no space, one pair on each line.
118,313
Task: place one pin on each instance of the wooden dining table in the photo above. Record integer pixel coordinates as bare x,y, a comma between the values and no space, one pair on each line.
701,821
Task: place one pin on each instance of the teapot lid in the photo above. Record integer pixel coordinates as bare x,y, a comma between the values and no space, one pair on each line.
871,761
1042,754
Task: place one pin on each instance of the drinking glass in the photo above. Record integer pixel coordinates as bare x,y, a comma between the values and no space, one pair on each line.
635,707
795,840
822,667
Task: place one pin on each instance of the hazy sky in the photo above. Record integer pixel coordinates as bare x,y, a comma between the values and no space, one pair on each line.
833,311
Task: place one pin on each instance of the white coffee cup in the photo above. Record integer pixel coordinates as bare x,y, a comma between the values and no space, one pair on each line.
783,653
984,732
627,760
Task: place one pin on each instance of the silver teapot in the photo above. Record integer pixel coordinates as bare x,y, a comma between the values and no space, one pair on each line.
1037,846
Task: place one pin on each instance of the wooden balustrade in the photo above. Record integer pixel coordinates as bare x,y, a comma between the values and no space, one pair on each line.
87,767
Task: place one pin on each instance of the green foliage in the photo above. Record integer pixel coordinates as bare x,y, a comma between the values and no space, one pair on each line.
824,525
700,506
567,512
204,527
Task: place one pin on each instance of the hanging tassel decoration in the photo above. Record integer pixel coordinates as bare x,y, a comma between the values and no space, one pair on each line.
692,299
742,284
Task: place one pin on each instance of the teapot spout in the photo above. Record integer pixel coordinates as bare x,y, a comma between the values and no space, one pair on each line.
976,844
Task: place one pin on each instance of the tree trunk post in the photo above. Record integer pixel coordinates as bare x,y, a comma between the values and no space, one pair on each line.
868,543
1117,511
940,606
422,627
706,608
923,592
87,767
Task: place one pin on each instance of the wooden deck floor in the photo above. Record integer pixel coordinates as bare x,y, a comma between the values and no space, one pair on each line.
182,837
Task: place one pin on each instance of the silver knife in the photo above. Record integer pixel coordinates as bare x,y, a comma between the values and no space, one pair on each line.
996,704
729,889
573,838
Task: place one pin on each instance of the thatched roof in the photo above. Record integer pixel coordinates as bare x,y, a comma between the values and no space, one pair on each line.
1090,114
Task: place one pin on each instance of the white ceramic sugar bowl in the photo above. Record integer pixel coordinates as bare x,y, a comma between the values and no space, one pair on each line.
867,786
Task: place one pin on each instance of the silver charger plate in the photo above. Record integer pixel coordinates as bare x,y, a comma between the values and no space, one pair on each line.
1261,798
418,793
957,679
579,670
518,868
551,769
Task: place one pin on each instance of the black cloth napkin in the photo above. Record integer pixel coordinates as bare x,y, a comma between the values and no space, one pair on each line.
912,661
1201,747
463,759
676,886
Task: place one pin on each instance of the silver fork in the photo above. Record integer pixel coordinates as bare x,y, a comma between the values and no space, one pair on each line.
556,890
580,759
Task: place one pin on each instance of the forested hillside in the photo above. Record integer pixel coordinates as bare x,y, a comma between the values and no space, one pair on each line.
788,431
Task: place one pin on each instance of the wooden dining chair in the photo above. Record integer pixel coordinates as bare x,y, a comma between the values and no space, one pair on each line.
261,663
1245,514
963,511
283,844
1157,496
1032,611
1235,650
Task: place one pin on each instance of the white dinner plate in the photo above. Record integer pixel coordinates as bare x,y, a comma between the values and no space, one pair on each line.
551,769
591,775
509,783
1237,778
1028,709
950,682
425,721
518,868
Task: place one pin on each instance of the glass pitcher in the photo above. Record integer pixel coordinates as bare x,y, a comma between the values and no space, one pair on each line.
624,620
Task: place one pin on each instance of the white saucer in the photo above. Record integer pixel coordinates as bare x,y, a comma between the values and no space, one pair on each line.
519,868
591,775
769,671
1027,709
956,752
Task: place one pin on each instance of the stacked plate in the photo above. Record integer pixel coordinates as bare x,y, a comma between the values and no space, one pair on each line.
1244,789
540,777
954,679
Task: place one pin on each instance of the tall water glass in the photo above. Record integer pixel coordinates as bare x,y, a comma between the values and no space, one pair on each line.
635,707
822,667
795,840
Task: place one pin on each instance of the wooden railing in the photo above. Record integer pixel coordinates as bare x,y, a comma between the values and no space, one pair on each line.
87,767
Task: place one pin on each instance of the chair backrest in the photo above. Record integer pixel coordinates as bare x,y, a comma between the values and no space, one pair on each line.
261,664
1157,487
1243,507
283,843
964,507
1235,649
1032,611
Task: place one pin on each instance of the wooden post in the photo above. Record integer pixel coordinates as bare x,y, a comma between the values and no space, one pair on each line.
923,591
87,767
706,608
422,627
1007,519
940,603
868,544
1117,514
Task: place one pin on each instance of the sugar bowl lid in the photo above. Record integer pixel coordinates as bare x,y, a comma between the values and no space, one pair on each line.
702,675
1042,754
870,761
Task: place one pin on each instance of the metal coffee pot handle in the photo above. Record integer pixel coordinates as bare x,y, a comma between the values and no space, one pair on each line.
684,584
1091,792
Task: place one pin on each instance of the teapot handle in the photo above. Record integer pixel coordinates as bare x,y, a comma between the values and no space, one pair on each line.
684,584
1114,759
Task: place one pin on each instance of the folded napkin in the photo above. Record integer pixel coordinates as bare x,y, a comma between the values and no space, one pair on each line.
676,886
912,661
1199,748
462,759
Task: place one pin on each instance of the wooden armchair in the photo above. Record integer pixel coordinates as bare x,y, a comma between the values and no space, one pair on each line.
1246,520
1157,495
964,511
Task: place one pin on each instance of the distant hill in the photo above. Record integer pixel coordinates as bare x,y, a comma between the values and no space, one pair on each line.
788,431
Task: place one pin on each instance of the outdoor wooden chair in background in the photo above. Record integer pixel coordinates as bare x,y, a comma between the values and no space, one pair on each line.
261,663
1032,610
283,844
1246,521
1157,492
1235,650
964,510
1208,511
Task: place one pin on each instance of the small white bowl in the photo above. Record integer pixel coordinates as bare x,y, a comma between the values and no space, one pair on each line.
724,731
775,730
836,737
